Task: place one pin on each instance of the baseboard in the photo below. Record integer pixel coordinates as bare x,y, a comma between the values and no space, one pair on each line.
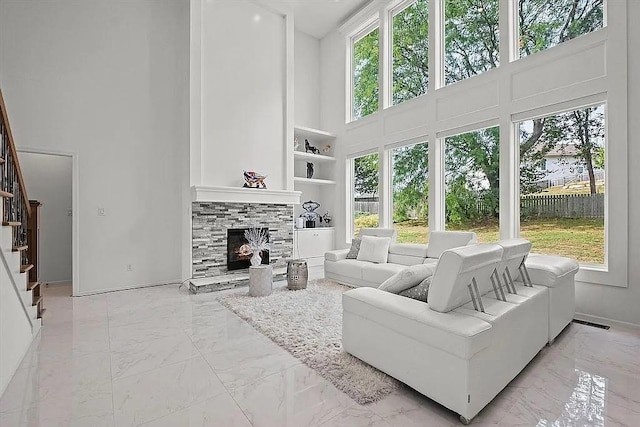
147,285
605,321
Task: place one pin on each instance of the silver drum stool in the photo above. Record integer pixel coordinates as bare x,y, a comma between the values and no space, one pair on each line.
297,274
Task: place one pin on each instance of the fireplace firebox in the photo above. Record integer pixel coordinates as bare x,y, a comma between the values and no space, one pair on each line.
238,250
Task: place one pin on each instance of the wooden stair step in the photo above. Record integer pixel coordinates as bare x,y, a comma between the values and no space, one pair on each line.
11,223
25,268
32,285
37,301
20,248
6,194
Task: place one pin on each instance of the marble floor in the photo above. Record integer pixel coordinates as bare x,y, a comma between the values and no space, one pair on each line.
161,357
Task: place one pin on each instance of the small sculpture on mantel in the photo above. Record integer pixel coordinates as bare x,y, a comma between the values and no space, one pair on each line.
309,170
254,180
308,147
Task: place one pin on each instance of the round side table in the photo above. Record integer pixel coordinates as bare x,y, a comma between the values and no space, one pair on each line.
260,280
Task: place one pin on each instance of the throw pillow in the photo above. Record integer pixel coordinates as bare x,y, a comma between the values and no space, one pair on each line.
355,248
374,249
408,278
419,292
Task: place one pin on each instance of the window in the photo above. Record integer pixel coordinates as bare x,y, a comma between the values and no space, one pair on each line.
365,192
410,51
563,212
546,23
471,183
365,74
471,38
410,188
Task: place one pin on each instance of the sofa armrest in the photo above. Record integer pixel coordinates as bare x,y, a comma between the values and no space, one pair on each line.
452,332
337,255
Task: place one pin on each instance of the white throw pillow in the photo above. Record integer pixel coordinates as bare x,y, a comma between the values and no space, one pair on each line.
374,249
407,278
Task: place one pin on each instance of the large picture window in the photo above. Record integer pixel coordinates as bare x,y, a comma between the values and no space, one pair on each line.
472,43
365,74
562,184
472,187
410,51
410,192
365,192
546,23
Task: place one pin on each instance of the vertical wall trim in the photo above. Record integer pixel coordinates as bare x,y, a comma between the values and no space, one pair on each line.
289,100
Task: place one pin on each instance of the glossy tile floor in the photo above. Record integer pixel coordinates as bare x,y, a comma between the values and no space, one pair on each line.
161,357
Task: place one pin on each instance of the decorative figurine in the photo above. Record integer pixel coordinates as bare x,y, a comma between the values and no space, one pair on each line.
296,143
310,215
308,147
326,218
254,180
326,149
309,170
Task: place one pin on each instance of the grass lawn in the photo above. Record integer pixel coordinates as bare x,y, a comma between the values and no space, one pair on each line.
579,238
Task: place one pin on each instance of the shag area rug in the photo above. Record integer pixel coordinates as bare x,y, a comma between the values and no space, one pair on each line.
308,324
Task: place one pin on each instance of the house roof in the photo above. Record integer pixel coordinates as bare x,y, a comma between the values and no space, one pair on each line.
568,150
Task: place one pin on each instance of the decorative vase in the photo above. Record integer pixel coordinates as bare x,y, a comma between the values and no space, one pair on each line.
256,260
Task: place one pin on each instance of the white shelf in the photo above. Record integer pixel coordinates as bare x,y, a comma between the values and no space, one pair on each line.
313,229
313,181
306,132
301,155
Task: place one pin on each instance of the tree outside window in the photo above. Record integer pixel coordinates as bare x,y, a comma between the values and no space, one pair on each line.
365,74
410,52
365,192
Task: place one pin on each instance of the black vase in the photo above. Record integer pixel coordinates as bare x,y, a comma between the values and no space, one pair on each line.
310,224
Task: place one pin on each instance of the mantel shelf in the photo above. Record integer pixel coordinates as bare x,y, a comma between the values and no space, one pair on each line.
314,181
301,155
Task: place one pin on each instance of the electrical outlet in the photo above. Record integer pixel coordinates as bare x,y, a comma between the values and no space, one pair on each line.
101,212
69,212
129,267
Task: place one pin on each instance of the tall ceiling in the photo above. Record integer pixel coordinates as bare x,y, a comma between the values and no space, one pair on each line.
319,17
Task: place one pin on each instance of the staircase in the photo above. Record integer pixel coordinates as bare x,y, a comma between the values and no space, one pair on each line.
20,300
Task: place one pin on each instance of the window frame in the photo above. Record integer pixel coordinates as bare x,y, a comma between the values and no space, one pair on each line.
350,193
363,30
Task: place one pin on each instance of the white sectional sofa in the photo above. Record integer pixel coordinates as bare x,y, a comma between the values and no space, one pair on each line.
357,273
483,322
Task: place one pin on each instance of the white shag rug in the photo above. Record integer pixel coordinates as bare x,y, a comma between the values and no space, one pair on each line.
308,324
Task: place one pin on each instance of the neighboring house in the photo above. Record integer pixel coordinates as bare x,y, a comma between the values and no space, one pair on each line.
563,165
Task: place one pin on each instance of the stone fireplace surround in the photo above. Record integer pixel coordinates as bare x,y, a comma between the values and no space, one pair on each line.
214,210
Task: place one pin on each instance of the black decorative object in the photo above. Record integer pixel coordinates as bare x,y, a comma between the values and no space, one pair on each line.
308,147
310,215
309,170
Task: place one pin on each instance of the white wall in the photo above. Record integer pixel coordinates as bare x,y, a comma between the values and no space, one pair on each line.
587,69
307,80
48,180
106,81
242,94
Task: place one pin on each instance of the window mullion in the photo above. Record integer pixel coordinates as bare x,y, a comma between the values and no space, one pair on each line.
436,44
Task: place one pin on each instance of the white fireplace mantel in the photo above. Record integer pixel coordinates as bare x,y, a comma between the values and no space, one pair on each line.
244,195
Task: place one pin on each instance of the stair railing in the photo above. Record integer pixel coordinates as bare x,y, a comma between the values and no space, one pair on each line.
16,204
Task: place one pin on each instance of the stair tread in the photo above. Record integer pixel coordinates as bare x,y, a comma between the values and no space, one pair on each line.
6,194
32,285
11,223
20,248
25,268
37,301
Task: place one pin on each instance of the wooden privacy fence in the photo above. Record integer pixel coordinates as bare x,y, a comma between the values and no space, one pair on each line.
365,206
563,206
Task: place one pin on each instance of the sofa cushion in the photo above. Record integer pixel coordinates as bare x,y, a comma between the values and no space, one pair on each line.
347,267
355,248
547,270
379,232
420,291
374,249
378,273
457,334
407,278
336,255
440,241
513,252
455,270
430,261
410,249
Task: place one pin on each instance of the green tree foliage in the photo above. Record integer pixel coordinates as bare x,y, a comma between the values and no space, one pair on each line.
365,175
411,52
546,23
365,74
410,184
471,38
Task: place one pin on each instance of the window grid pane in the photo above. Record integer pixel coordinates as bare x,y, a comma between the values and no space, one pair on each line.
365,74
365,192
